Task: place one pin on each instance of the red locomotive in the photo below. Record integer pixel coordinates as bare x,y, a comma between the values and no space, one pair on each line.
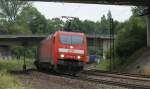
63,51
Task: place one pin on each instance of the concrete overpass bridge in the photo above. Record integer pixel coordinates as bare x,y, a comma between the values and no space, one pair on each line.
21,40
7,41
110,2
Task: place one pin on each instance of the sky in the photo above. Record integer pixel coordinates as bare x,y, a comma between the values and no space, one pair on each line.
91,12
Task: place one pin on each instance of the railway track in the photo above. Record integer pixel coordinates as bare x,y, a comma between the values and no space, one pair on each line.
105,78
132,86
97,78
118,79
114,83
117,75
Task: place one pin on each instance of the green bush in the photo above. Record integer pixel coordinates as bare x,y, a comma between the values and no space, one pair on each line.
20,51
103,65
9,82
130,39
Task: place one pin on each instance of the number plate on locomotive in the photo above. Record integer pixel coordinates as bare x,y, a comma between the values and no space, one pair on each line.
71,50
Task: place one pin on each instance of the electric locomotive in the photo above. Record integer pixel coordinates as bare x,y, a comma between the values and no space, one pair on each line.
63,51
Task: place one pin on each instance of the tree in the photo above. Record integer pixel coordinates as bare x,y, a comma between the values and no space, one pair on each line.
54,24
86,26
9,9
75,25
131,37
89,27
33,19
109,16
104,26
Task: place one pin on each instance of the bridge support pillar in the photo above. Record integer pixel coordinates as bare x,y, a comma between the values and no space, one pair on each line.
148,30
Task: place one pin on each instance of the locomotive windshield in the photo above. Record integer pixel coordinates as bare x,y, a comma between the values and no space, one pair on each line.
71,39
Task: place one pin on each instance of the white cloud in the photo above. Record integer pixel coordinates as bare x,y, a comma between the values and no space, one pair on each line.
83,11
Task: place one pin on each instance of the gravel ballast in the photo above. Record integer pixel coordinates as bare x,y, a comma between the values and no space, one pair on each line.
39,80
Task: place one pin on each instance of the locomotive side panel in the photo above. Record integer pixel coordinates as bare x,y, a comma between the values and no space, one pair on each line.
45,51
55,42
86,51
52,50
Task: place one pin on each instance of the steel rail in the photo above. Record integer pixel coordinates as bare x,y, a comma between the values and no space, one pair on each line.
118,75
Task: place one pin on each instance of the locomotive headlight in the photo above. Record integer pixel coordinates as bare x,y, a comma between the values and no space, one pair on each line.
71,47
62,55
78,57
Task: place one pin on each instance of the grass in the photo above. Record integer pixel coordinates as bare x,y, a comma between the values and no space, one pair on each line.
103,65
8,81
137,54
121,64
14,64
127,62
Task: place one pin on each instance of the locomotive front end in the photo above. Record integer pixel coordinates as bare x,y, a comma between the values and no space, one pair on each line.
72,51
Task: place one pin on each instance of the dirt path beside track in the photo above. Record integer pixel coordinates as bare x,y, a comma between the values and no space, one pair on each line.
39,80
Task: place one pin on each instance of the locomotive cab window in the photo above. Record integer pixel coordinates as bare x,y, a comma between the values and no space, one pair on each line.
71,39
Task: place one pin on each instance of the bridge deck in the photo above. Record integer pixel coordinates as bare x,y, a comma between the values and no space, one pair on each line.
110,2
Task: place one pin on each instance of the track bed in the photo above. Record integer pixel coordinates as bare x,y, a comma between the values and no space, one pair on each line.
39,80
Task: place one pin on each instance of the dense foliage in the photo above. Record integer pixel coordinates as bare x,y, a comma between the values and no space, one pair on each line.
132,36
28,20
